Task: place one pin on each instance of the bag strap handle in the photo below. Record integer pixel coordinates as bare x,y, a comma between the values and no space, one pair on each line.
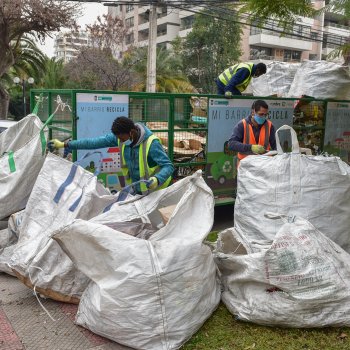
295,142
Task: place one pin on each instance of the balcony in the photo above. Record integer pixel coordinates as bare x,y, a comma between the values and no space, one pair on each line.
270,39
275,58
337,29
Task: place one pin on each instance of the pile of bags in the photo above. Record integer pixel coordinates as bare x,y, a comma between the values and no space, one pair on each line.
319,79
290,268
139,268
62,192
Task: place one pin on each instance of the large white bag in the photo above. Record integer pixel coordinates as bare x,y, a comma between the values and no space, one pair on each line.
22,154
8,240
300,279
314,187
148,294
277,80
63,191
321,79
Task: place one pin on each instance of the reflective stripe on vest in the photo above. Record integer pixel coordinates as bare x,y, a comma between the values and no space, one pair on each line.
249,137
146,172
226,76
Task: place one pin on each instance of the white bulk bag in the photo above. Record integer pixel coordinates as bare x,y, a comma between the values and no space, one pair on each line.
63,191
22,154
314,187
300,279
321,79
8,240
148,294
277,80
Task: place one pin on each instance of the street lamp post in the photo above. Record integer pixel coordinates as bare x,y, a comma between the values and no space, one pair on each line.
24,83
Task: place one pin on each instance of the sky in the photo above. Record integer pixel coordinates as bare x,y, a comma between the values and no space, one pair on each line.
90,13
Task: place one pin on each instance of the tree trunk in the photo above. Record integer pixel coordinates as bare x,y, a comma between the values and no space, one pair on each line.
4,103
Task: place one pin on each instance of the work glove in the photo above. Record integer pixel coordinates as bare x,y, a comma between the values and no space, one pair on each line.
153,183
55,144
258,149
228,94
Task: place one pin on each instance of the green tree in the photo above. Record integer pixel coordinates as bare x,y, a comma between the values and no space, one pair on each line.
29,62
96,66
53,76
211,46
21,17
170,76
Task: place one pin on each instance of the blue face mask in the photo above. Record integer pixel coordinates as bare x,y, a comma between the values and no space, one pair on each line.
259,120
127,142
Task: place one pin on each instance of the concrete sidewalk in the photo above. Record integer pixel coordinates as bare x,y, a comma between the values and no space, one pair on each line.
25,325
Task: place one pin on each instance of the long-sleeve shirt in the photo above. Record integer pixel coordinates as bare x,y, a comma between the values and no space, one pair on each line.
236,144
156,156
238,78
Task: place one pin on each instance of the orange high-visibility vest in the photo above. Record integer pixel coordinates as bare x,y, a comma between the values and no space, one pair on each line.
249,137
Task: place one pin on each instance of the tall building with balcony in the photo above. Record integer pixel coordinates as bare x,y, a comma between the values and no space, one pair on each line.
310,38
67,44
136,19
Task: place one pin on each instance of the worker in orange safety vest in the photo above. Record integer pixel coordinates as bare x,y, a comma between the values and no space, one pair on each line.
254,134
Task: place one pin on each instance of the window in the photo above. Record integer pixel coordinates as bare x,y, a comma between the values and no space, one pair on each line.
257,52
129,22
290,55
129,8
186,22
129,39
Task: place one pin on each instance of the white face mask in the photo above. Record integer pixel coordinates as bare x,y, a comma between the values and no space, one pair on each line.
127,142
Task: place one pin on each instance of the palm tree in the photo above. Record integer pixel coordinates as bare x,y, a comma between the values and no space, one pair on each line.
169,72
29,62
53,77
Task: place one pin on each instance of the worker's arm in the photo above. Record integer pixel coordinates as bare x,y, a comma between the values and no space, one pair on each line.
272,139
108,140
158,157
235,143
238,78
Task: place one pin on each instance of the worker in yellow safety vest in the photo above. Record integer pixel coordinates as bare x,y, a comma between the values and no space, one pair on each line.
142,155
235,79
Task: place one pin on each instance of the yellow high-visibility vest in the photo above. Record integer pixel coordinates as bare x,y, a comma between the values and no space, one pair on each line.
228,73
145,171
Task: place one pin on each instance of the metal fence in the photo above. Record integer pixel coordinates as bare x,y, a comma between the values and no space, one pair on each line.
181,122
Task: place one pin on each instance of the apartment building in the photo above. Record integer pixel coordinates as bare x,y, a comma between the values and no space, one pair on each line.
67,44
313,38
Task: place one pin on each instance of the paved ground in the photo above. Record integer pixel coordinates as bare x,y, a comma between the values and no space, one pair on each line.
24,325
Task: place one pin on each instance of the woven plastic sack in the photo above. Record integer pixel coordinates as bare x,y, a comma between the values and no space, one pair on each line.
148,294
321,79
314,187
22,154
300,279
277,80
63,192
8,241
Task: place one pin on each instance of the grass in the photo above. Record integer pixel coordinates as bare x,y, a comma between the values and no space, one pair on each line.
223,332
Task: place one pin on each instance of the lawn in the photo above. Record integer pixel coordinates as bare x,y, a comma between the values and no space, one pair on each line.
223,332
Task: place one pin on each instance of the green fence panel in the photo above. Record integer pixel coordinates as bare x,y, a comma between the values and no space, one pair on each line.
186,126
